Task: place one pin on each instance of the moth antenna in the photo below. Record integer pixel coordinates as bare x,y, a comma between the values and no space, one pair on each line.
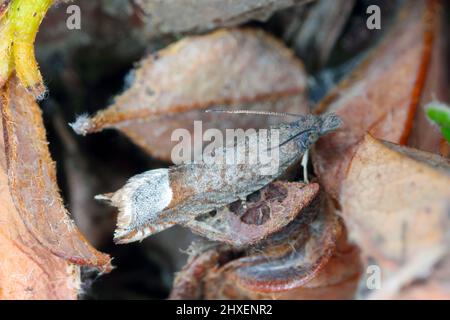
263,113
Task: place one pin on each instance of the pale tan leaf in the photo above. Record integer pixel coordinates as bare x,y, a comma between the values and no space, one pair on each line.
239,68
396,203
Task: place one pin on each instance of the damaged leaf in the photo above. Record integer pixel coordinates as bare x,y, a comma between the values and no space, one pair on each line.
396,203
233,67
380,96
265,212
32,181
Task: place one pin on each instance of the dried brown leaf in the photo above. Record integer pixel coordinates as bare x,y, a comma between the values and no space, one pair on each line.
32,182
381,95
172,16
241,225
3,6
396,203
188,283
27,269
227,67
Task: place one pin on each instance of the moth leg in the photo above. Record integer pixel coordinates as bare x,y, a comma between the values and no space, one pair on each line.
304,165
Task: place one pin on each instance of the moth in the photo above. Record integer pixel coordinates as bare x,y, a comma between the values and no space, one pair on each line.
158,199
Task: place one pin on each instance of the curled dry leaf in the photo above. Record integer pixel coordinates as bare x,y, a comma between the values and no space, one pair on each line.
396,203
299,262
27,269
172,16
32,181
227,67
381,95
264,213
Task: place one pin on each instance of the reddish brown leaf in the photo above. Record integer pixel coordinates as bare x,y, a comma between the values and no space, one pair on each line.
395,201
277,205
381,95
27,269
195,73
32,181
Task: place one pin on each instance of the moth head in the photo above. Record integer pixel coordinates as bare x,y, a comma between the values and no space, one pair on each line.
140,203
313,127
329,122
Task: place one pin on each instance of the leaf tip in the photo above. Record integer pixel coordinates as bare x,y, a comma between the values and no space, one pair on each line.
81,125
